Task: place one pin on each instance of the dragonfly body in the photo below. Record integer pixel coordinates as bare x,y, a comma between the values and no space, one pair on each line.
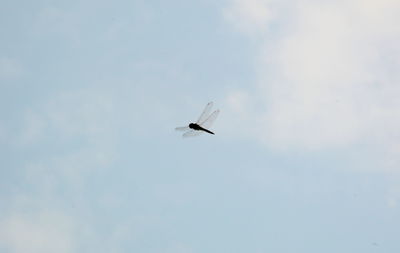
202,124
199,128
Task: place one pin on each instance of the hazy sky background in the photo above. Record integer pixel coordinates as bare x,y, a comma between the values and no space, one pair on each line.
306,156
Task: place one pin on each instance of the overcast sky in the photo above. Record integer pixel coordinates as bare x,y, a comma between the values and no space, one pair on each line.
306,156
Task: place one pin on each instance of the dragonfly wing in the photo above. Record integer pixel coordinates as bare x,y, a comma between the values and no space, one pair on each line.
205,113
210,120
192,133
185,128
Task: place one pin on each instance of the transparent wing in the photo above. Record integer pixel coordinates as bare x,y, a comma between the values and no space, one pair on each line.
192,133
205,113
185,128
210,120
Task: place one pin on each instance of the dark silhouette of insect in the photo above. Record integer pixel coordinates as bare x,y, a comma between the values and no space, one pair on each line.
205,121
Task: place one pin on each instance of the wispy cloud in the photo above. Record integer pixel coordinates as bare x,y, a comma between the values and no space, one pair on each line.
72,135
40,232
330,77
250,16
393,196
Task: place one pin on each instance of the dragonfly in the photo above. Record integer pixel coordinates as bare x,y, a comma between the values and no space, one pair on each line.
202,124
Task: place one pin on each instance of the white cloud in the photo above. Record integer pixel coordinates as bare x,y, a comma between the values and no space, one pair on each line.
330,77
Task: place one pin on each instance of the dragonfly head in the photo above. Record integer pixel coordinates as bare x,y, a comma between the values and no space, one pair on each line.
191,125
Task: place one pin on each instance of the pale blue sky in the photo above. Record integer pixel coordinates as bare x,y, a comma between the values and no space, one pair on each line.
305,156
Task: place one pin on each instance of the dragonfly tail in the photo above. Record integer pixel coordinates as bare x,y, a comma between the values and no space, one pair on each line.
208,131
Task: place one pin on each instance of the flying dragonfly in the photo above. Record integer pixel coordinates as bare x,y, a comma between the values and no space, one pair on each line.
205,121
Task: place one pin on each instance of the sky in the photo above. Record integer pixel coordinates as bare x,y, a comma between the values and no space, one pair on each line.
306,152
